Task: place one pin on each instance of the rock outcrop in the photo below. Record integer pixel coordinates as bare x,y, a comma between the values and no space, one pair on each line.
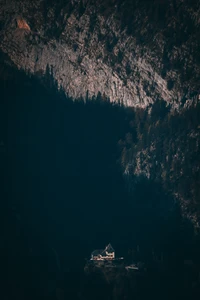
130,52
22,24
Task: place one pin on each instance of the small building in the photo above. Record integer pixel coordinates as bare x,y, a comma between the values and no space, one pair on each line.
132,267
104,254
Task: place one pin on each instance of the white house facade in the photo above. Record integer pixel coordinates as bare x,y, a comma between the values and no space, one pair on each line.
106,254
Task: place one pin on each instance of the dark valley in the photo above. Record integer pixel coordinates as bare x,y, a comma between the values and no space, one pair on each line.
66,192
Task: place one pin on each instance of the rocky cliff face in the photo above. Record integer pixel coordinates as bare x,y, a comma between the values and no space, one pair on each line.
130,51
166,150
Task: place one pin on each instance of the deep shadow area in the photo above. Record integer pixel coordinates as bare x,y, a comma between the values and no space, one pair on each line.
63,195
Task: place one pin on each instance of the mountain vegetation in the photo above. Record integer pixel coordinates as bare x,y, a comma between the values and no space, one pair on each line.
163,145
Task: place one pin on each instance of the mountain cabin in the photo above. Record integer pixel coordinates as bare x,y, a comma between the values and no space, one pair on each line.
106,254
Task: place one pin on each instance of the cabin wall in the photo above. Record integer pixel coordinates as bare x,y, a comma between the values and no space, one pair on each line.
110,256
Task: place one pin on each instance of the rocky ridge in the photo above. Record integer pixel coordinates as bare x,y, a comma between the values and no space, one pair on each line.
133,52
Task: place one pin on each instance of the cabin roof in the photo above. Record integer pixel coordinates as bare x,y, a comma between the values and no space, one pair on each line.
97,252
109,248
